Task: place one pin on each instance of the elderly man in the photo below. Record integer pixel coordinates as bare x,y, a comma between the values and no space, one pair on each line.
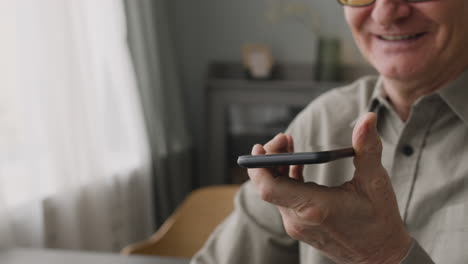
404,197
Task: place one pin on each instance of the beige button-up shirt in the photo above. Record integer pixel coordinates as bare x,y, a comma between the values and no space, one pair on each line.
426,157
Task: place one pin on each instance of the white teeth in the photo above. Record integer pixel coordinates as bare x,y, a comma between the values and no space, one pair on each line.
402,37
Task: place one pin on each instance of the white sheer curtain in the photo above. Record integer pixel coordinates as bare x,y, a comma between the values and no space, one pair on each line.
74,157
157,73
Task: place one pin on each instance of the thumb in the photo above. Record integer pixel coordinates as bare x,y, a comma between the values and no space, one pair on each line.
370,173
367,145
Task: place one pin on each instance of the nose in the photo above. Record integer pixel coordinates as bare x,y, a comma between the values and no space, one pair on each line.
388,12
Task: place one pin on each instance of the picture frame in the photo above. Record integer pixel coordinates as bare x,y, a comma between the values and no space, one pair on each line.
258,60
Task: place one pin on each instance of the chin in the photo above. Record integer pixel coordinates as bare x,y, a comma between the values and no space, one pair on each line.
400,71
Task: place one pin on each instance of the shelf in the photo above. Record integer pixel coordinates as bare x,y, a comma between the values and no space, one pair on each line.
288,72
291,85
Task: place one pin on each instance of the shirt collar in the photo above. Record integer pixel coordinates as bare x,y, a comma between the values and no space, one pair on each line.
455,95
377,100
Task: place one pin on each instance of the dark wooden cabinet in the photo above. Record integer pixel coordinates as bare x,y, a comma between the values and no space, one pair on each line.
291,88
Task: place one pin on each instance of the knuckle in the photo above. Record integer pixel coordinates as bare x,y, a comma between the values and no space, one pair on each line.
379,183
253,173
382,189
375,148
256,149
311,214
320,241
295,230
266,192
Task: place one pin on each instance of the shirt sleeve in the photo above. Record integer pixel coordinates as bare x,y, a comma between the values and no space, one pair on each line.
417,255
253,233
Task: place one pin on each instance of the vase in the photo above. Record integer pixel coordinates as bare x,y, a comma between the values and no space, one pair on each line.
328,59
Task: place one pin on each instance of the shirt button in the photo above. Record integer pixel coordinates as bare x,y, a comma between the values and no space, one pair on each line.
407,150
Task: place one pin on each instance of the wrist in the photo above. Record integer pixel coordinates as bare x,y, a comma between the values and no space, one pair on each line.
394,250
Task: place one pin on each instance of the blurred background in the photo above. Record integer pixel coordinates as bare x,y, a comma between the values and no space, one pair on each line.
112,111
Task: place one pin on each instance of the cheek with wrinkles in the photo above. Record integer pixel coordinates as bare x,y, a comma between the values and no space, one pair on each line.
356,16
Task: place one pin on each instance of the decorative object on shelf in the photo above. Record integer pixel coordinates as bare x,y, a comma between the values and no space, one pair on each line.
328,60
328,65
258,61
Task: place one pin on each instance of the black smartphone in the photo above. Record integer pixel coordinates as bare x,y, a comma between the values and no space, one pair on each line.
296,158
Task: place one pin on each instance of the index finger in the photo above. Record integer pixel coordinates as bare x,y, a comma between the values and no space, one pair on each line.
284,191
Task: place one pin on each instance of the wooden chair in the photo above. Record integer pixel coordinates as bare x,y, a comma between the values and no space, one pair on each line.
187,229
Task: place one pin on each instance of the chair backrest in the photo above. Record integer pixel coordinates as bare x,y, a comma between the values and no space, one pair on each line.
185,232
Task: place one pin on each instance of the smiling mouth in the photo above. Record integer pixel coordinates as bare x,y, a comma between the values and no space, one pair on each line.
401,37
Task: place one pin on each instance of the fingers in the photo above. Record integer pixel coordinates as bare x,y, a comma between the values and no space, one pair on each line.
271,187
311,207
279,144
290,143
308,202
295,171
261,175
367,144
258,150
369,170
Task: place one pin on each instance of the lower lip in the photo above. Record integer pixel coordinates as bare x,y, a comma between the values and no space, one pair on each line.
403,44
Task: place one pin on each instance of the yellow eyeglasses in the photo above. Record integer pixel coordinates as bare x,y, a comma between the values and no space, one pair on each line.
357,3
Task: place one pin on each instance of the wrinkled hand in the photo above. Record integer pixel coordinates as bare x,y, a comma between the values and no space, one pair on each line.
357,222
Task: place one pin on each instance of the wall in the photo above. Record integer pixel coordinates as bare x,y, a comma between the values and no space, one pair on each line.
206,30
